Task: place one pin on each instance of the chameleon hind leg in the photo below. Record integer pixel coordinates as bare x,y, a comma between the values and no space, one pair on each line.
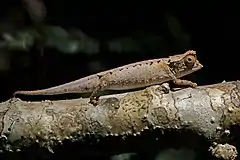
93,97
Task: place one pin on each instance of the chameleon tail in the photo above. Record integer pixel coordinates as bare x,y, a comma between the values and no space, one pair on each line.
35,92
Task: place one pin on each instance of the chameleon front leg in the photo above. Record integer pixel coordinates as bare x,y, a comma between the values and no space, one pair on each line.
181,82
178,81
165,88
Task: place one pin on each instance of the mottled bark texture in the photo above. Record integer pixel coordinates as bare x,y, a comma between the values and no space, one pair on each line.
208,111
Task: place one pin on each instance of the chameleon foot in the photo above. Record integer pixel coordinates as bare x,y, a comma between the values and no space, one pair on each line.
165,88
94,100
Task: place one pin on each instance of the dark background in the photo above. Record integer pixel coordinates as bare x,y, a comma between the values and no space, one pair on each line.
212,31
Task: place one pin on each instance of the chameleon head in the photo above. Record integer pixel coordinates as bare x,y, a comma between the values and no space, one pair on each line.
184,64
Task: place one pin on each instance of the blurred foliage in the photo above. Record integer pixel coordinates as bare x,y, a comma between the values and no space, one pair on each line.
22,40
75,41
36,9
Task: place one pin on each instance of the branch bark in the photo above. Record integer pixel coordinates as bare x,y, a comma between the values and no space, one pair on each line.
208,111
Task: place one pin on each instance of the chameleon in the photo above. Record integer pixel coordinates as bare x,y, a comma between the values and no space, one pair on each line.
131,76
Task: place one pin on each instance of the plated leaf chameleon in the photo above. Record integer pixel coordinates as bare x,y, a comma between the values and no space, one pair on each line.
131,76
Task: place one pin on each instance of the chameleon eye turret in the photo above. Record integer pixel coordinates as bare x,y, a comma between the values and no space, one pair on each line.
190,60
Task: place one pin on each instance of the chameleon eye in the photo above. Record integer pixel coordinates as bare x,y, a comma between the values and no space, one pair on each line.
190,61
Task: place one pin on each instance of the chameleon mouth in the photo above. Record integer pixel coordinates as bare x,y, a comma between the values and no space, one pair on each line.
197,66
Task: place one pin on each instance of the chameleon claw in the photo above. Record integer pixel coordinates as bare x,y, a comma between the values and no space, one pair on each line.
165,88
94,100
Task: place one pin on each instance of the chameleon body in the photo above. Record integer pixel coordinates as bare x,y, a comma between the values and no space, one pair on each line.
131,76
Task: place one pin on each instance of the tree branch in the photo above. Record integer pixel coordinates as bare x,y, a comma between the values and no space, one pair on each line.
208,111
